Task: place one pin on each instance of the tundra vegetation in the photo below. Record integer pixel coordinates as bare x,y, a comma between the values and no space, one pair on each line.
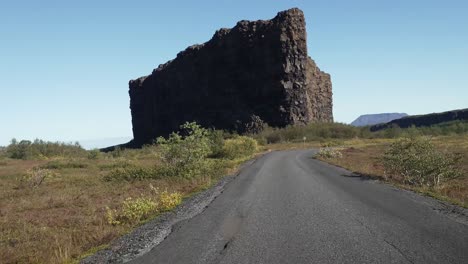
59,202
429,160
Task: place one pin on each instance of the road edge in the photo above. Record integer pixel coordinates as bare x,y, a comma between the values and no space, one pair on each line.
451,210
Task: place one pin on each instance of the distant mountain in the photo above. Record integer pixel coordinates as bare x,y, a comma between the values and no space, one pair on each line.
372,119
425,120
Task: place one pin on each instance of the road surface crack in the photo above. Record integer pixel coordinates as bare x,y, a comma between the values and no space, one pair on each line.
226,245
399,250
386,241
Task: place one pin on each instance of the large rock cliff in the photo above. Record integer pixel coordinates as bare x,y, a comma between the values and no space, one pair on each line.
258,71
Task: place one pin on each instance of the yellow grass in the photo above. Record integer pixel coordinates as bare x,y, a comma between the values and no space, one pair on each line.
65,217
363,157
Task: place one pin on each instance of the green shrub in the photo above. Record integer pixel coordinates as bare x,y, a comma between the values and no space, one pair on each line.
262,141
329,153
94,154
185,156
216,139
393,132
239,147
216,167
270,136
205,168
19,150
416,161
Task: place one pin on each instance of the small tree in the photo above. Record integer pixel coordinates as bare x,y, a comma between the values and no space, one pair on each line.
19,150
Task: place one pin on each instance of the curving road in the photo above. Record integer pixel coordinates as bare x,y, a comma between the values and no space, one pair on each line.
289,208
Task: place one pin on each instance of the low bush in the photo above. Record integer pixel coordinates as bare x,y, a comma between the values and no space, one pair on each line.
94,154
311,132
116,165
216,141
36,176
239,147
327,131
270,136
64,165
168,201
416,161
329,153
117,152
187,154
131,173
3,152
133,211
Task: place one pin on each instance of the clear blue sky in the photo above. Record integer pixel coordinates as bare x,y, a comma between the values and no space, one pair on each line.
65,65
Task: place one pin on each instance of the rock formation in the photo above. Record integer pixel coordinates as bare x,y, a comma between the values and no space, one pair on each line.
258,71
373,119
425,120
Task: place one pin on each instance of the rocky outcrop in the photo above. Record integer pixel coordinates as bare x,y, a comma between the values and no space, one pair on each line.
258,71
373,119
425,120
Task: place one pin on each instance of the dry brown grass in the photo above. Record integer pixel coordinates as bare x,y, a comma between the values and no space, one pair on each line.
363,157
65,217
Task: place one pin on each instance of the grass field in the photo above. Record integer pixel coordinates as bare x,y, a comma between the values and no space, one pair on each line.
365,157
65,216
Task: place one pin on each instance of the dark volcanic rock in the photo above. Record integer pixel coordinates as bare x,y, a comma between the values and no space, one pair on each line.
372,119
425,120
258,71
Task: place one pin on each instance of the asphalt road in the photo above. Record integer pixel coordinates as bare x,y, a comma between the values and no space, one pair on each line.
289,208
